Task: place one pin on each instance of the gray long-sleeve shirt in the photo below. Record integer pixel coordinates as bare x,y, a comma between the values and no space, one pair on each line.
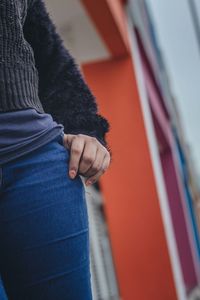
24,130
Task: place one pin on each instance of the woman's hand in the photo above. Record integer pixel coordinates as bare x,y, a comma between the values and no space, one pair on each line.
87,156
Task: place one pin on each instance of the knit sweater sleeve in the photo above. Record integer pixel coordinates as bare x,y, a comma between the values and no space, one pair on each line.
63,91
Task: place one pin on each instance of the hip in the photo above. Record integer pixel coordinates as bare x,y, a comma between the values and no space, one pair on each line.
41,179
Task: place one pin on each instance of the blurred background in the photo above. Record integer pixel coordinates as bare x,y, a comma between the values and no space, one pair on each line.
141,60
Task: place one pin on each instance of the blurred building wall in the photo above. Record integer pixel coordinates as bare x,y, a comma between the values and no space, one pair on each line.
143,211
109,81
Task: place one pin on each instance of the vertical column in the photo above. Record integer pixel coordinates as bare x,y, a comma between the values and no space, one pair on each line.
129,188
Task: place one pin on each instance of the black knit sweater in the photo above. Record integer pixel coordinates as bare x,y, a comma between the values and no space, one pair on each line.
37,71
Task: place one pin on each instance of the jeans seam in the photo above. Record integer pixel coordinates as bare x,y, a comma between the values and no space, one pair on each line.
58,239
83,263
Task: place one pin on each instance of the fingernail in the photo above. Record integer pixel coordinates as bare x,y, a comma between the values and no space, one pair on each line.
89,182
72,173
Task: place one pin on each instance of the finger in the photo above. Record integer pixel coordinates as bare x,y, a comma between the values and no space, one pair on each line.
67,140
88,156
103,168
96,166
76,149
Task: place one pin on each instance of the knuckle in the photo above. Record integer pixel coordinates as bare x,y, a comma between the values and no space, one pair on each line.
93,139
95,168
87,159
107,156
76,150
107,152
104,151
103,169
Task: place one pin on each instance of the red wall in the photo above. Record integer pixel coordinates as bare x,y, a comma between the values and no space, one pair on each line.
109,19
131,200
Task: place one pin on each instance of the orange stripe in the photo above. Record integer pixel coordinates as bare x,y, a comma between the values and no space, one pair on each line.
131,200
109,19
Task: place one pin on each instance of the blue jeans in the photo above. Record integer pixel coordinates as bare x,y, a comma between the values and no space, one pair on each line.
44,232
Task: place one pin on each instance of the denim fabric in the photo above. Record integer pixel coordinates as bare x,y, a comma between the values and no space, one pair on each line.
44,232
2,292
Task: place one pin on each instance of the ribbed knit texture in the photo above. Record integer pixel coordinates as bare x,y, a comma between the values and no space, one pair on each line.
18,74
36,70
